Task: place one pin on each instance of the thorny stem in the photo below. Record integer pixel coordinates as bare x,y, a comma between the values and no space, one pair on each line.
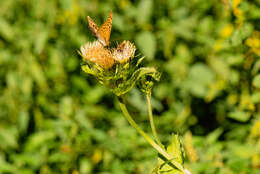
148,97
146,137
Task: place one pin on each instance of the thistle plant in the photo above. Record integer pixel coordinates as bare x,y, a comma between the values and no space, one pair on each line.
119,69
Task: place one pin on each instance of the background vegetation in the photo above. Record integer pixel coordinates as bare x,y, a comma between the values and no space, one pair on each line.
54,119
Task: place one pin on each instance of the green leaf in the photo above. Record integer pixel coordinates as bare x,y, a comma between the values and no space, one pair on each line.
176,152
200,76
40,40
85,166
256,81
213,136
240,116
23,121
7,168
66,106
255,97
39,139
146,42
6,29
145,8
174,149
8,137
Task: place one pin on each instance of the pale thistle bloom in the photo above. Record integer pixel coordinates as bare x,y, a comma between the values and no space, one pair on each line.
124,52
95,52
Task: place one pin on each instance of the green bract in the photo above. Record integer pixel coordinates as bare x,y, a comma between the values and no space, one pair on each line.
123,77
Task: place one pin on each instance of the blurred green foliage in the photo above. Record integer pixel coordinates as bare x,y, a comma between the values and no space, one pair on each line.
53,119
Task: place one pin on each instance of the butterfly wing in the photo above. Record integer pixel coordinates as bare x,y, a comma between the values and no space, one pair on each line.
93,26
104,32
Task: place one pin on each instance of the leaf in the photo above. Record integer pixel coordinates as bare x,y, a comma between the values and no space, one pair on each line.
145,8
256,81
6,29
146,41
39,139
213,136
23,121
85,166
118,22
65,106
28,159
255,97
8,137
175,151
200,76
40,40
239,116
7,168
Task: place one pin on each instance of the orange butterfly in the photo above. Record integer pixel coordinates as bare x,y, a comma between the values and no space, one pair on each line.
102,33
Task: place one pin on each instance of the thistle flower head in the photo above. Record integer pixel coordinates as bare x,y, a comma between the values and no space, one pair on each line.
124,52
96,53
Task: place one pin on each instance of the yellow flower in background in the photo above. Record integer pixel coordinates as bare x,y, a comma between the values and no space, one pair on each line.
256,161
235,3
232,99
191,152
255,131
75,172
246,103
214,88
218,45
66,148
254,43
237,12
70,15
227,31
224,34
97,156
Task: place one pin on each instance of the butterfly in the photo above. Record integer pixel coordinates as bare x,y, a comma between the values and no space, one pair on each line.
102,33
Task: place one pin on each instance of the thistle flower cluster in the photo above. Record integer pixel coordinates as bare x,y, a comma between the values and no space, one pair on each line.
117,68
96,53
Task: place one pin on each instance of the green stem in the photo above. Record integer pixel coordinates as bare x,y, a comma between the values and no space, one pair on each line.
146,137
148,97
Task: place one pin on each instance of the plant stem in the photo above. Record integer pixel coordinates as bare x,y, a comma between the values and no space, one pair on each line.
146,137
148,97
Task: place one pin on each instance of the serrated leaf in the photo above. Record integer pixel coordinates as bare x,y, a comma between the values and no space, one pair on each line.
175,151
